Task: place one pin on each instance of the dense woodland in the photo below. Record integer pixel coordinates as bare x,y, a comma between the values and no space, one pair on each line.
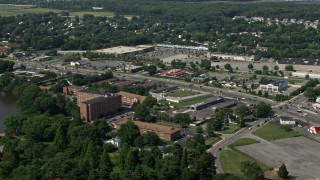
163,22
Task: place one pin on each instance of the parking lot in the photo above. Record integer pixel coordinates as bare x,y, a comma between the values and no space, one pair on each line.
300,155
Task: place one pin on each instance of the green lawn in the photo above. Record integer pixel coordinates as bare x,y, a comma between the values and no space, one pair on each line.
243,142
230,129
231,160
272,132
181,93
212,140
191,102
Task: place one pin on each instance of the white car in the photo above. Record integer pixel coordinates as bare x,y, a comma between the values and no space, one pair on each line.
299,125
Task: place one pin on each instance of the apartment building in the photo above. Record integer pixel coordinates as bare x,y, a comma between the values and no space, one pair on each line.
164,132
130,98
99,107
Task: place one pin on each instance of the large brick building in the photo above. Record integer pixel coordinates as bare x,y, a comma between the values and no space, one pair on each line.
86,94
71,90
130,98
164,132
100,106
94,104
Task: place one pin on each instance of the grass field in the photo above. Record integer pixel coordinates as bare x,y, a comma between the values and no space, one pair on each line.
243,142
230,129
181,93
272,132
231,160
212,140
191,102
6,10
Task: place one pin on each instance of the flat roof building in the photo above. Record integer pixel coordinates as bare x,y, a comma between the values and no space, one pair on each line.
300,64
71,90
86,94
100,106
130,98
126,50
233,57
206,103
273,86
166,133
225,104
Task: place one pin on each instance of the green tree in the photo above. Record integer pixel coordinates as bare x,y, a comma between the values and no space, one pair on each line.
181,118
128,132
289,68
283,172
151,139
14,125
152,69
251,170
310,93
184,160
276,68
250,66
150,101
132,159
262,109
227,66
199,130
205,64
241,112
265,68
60,140
105,165
141,111
205,166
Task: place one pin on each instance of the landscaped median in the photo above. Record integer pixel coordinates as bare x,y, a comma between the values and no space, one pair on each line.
271,132
231,159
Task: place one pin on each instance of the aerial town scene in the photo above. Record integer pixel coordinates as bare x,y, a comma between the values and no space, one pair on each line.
160,89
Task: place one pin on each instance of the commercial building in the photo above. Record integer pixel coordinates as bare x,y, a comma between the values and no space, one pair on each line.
174,73
164,132
206,103
273,86
287,121
225,104
126,50
130,98
232,57
300,64
99,107
313,129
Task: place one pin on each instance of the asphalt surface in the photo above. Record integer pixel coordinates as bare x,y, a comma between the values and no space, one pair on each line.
300,155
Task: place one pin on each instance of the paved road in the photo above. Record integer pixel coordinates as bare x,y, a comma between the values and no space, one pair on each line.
214,150
225,92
